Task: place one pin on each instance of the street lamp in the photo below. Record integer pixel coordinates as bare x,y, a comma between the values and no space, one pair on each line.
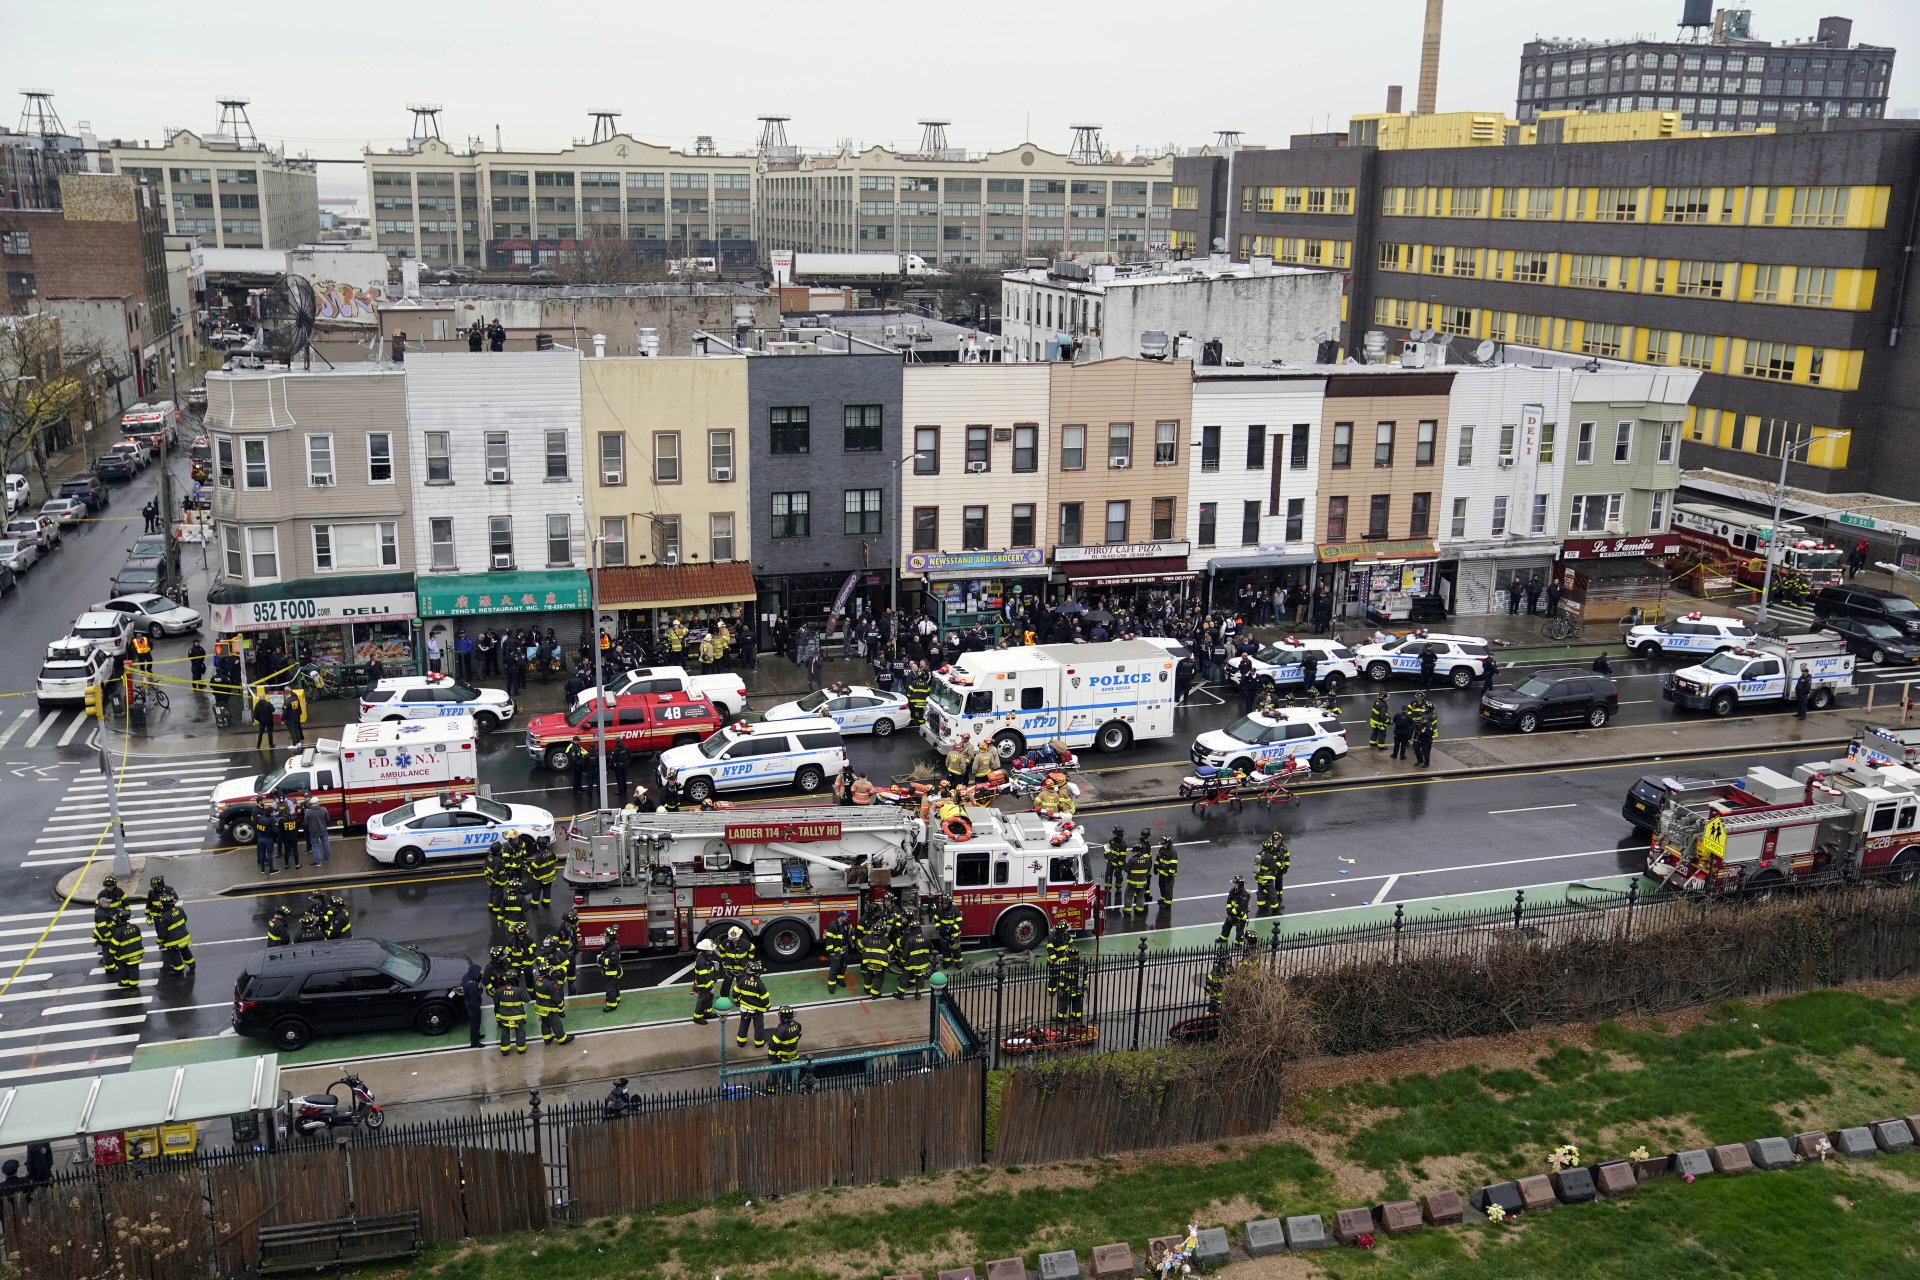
1779,498
723,1006
599,679
893,548
939,984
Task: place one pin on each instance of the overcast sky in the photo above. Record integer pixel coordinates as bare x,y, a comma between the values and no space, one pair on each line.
327,80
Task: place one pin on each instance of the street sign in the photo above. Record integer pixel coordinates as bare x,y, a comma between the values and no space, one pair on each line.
1713,841
1859,522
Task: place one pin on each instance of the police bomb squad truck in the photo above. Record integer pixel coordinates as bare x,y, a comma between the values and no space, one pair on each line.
1102,695
666,881
1764,669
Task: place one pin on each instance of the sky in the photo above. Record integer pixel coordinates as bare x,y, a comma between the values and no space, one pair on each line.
329,80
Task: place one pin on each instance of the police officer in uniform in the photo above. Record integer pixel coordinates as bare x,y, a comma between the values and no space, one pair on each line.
611,967
1166,865
706,979
837,941
1236,920
750,993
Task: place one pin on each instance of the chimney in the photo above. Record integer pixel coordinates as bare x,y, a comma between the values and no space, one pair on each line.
1429,59
599,346
1835,33
1393,99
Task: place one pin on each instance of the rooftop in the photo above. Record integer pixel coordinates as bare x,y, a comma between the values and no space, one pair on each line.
892,327
1872,510
1079,276
430,293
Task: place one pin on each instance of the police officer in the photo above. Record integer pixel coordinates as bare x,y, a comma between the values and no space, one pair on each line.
1402,732
1215,983
1429,661
786,1037
1166,865
543,865
612,965
170,931
578,756
550,1002
619,759
736,952
1379,720
280,927
1115,854
948,926
750,993
837,941
1070,991
875,954
129,948
1236,920
1139,870
1426,720
915,957
510,1013
706,979
197,664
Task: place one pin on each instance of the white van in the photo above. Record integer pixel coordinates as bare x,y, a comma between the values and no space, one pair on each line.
805,754
1104,695
16,492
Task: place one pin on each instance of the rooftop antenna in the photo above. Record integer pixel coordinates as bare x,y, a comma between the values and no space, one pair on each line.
37,114
1086,144
234,123
933,136
773,134
1226,139
603,124
426,121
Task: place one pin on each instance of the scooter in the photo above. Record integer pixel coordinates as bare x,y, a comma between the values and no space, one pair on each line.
318,1112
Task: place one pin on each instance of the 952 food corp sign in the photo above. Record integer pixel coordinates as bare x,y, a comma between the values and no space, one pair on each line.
312,611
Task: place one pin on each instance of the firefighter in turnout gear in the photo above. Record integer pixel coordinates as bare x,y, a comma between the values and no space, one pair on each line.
568,934
837,941
550,1002
1070,991
1115,881
876,953
103,913
513,905
948,925
496,878
510,1013
736,952
786,1037
1215,983
543,865
1139,872
1166,865
706,979
514,853
1236,910
1379,720
280,927
129,948
750,993
1275,861
112,896
170,931
915,958
986,758
919,685
159,893
611,967
520,954
495,975
958,758
336,920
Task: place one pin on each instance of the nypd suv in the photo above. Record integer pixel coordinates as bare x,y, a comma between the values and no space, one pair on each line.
1307,734
1690,633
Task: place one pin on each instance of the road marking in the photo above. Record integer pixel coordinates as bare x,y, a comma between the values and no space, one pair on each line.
1426,871
19,722
65,991
119,1021
98,1042
56,826
31,931
1537,808
133,805
189,1008
73,730
673,978
40,731
95,1007
1385,889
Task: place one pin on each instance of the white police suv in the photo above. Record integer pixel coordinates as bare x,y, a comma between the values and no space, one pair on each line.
1461,659
1285,663
854,707
1308,734
437,828
1690,633
434,697
804,754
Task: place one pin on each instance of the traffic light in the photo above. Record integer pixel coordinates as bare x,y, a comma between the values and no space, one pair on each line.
93,702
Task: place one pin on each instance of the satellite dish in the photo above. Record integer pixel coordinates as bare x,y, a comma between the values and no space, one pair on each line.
1484,352
286,317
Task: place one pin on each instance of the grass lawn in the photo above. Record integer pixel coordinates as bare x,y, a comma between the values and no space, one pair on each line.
1460,1115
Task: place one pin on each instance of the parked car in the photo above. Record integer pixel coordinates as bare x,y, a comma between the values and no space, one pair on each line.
230,339
88,489
37,529
288,995
138,577
16,491
139,450
803,754
1690,634
1553,697
64,511
644,721
1308,734
1849,601
1880,643
8,581
153,614
196,399
115,466
1650,791
151,548
19,554
71,667
1461,658
855,708
432,828
431,697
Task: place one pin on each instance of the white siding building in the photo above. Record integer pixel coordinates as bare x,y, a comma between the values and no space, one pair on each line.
1253,478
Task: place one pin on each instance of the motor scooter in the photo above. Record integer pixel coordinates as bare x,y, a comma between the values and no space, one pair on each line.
318,1112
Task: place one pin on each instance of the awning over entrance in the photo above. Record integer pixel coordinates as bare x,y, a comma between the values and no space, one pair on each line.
473,594
676,586
1126,573
137,1099
1264,560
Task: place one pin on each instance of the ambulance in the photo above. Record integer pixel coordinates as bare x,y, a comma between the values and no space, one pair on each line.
371,768
1100,695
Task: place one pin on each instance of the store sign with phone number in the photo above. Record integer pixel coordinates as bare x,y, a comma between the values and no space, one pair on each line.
312,611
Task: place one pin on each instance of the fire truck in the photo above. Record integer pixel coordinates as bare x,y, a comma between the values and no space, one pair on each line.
1739,542
1761,832
664,881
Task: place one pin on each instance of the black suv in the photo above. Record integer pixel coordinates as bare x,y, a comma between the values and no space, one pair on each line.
116,466
1869,603
1553,697
1881,643
290,994
88,489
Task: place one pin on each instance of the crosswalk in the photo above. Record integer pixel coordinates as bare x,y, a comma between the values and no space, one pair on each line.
163,807
60,1016
29,726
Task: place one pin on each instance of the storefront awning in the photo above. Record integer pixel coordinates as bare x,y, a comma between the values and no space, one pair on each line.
1265,560
137,1099
472,594
676,586
1126,573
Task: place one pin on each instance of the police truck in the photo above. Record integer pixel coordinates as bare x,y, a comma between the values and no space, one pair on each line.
1102,695
1764,670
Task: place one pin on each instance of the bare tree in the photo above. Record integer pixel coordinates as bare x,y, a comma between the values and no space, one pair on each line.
40,388
968,294
606,262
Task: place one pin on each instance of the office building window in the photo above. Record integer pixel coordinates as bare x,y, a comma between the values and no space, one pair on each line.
1209,514
861,428
790,515
789,430
1336,519
1772,360
1070,531
926,528
1117,521
973,528
862,511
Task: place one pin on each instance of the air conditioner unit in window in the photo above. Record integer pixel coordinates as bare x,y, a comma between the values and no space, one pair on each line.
1119,464
673,557
1615,527
723,473
610,477
322,481
503,562
496,475
1506,464
976,467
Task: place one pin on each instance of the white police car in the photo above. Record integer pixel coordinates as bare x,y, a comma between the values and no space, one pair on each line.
1285,663
1690,633
804,754
854,707
1309,734
432,697
435,828
1461,659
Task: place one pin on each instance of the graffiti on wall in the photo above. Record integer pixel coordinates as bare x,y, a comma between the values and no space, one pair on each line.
346,303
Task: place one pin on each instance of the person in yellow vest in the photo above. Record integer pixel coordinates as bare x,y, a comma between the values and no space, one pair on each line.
986,758
958,757
1067,802
142,659
676,638
606,641
706,653
1047,802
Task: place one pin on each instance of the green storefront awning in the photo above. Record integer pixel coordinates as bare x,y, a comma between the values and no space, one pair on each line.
474,594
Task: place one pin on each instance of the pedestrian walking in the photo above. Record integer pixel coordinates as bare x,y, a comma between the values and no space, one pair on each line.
263,721
470,993
313,820
1857,560
1802,693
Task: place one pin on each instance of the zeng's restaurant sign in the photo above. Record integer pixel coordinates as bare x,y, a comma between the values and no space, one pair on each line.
312,611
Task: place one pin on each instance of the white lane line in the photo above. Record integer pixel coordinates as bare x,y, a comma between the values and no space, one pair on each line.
1536,808
89,1025
65,991
96,821
670,980
97,1042
96,1007
73,730
185,766
1425,871
145,842
18,723
53,940
75,920
40,731
1385,889
41,916
64,957
188,1008
98,808
28,977
65,1070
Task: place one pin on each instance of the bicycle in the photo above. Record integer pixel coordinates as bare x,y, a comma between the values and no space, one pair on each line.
1561,628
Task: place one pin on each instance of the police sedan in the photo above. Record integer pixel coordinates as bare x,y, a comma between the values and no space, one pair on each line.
1308,734
433,828
854,707
1284,663
1690,633
1460,659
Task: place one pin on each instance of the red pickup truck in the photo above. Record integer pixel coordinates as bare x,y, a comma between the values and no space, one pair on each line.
644,721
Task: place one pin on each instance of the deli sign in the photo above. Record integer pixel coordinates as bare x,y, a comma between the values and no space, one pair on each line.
305,611
781,832
1659,544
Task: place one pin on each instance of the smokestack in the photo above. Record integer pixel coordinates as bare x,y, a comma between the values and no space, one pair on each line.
1429,59
1393,99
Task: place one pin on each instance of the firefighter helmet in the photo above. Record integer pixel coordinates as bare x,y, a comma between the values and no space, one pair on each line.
705,944
786,1012
734,932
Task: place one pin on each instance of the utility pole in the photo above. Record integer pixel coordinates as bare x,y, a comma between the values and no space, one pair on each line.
599,676
122,865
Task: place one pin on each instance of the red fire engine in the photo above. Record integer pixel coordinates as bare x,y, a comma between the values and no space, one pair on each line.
1765,830
1738,542
664,881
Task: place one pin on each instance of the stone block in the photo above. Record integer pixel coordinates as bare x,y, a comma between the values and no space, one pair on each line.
1731,1158
1112,1260
1398,1217
1892,1135
1770,1153
1157,1246
1695,1161
1574,1186
958,1273
1504,1194
1807,1145
1615,1178
1653,1167
1536,1193
1007,1269
1213,1247
1348,1224
1063,1264
911,1275
1913,1124
1855,1142
1442,1208
1263,1236
1306,1231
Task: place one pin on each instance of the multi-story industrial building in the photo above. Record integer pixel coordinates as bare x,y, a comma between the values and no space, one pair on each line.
1773,264
226,187
1726,82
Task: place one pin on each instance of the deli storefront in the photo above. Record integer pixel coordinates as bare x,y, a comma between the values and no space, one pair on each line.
344,624
1116,573
972,588
1606,579
1386,580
